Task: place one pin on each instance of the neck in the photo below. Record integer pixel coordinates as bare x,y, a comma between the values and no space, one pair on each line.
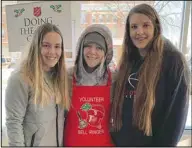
46,69
143,52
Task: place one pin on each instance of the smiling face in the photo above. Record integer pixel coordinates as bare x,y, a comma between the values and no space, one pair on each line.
141,30
51,50
93,54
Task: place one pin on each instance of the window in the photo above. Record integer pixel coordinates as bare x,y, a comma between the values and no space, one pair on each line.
93,18
114,19
83,17
101,18
108,18
104,18
189,61
170,12
114,31
171,18
123,18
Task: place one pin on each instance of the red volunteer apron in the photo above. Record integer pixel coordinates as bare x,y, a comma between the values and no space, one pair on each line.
87,122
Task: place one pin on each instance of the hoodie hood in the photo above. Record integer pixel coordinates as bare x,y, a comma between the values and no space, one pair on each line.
102,30
98,76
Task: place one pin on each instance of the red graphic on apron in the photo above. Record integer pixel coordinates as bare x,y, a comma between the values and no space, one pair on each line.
82,123
90,115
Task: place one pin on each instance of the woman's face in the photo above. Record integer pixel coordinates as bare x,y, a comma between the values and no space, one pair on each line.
51,50
93,55
141,30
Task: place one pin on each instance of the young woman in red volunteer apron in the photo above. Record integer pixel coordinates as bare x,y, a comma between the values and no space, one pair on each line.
87,122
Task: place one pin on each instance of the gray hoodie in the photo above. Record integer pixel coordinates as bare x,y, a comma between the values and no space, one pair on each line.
98,76
29,124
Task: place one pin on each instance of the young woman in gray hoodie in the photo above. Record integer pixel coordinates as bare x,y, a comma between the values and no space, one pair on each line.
37,92
87,122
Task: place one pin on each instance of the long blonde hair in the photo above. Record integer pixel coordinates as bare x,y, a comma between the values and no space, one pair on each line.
32,71
148,74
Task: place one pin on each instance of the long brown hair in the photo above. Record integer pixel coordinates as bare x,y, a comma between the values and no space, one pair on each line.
148,77
32,71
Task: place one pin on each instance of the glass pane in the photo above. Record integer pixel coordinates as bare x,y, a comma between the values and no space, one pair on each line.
93,18
170,14
100,18
189,61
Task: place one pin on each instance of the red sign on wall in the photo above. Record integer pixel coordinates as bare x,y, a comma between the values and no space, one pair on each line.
37,11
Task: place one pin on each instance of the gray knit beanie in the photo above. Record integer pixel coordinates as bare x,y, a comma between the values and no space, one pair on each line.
96,38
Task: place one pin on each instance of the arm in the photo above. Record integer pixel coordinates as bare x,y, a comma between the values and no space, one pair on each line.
16,100
176,106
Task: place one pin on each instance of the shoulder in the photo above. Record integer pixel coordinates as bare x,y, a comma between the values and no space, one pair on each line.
16,76
16,82
172,56
175,61
171,50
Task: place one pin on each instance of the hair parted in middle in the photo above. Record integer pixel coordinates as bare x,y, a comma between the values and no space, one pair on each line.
148,74
33,74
